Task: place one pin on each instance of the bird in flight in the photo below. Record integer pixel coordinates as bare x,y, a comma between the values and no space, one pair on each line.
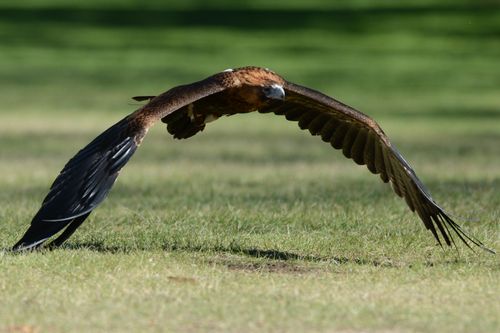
87,178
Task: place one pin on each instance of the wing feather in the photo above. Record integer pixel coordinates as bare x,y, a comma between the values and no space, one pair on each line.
369,152
348,141
337,139
379,162
306,119
293,113
358,147
317,123
328,130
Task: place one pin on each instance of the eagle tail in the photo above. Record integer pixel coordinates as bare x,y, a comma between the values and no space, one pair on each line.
181,125
82,185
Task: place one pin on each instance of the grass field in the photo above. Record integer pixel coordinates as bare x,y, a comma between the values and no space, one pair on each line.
252,226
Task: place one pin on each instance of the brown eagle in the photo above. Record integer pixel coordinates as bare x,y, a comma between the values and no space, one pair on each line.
87,178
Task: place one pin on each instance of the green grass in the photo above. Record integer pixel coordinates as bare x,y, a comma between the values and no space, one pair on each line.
253,225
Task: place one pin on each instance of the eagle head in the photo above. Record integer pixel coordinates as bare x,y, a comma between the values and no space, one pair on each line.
274,91
255,86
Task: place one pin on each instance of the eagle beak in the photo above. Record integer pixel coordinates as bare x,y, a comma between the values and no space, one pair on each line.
275,91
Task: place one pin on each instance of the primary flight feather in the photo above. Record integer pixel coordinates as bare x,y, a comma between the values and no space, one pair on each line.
87,178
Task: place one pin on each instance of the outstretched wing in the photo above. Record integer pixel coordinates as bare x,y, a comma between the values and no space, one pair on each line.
88,177
361,139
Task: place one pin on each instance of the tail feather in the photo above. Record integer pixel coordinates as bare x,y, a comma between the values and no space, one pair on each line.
181,125
82,185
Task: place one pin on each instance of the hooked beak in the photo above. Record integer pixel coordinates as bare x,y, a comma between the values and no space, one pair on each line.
275,91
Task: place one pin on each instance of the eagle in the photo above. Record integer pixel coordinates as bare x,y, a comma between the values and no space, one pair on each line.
87,178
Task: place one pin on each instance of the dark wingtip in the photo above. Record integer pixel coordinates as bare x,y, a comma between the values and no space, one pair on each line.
81,186
464,236
23,246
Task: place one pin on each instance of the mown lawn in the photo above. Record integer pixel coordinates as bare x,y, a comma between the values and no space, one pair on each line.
253,225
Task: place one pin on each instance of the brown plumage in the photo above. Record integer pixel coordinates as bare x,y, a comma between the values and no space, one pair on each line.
87,178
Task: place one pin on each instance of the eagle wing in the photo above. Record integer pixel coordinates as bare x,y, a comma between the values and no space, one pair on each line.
87,178
361,139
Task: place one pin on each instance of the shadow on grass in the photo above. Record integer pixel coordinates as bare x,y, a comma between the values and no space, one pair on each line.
288,259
